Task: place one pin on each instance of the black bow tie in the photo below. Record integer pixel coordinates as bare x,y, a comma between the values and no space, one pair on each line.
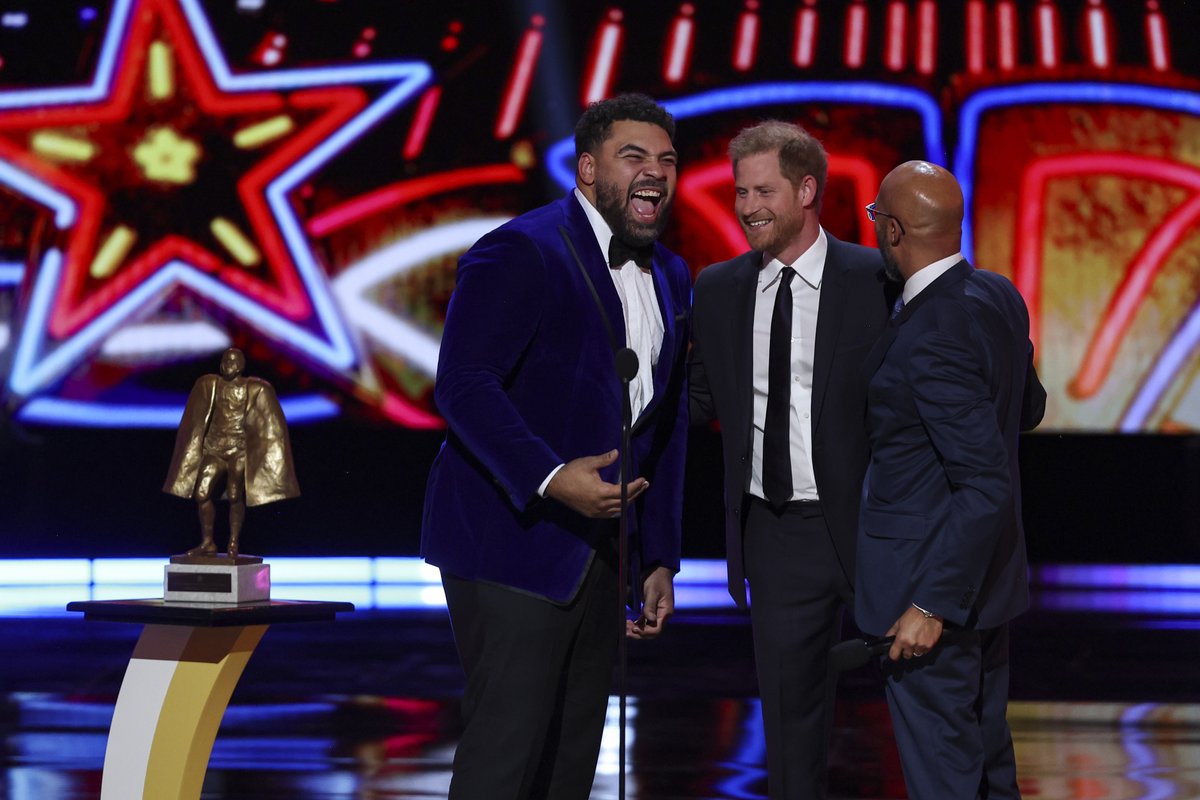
619,253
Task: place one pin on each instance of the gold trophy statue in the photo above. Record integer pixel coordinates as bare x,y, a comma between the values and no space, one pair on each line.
232,437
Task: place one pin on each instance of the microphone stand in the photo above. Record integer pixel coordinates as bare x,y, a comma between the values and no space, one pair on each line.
627,367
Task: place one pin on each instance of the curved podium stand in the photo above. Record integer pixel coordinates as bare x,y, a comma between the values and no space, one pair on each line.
178,684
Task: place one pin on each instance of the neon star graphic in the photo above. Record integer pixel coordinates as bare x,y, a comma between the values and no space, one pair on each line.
170,173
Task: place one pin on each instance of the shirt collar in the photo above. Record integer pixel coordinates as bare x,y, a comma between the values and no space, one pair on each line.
921,279
599,226
810,266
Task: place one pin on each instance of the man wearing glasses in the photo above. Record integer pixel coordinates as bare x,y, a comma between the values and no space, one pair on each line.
780,336
941,549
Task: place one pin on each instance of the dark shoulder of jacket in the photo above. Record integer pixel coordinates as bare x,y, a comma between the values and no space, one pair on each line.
720,271
536,224
528,234
855,256
954,312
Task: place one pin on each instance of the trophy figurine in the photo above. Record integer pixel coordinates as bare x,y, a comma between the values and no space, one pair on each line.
232,438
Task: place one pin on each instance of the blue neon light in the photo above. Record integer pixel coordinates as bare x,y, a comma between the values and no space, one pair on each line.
64,209
560,158
12,273
746,768
1118,576
1141,747
101,83
1174,356
1031,94
60,411
35,320
29,375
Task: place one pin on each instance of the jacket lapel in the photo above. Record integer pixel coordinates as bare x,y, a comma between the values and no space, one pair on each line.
944,281
595,264
745,281
830,314
666,355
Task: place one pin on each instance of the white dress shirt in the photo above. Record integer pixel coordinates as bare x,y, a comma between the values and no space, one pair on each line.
643,318
806,299
927,275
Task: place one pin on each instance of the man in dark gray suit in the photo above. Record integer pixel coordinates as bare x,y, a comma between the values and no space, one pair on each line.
780,334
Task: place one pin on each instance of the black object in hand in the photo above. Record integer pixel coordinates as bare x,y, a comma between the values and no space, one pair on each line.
853,653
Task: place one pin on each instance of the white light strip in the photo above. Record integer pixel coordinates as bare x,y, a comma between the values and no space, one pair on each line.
138,571
126,591
43,587
361,595
320,571
165,337
45,571
405,570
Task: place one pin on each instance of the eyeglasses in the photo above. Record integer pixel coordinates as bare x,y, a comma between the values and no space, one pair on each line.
872,211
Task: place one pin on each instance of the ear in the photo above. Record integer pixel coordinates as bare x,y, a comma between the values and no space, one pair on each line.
808,191
585,169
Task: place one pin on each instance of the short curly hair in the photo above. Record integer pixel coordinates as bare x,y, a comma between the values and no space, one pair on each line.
800,153
595,126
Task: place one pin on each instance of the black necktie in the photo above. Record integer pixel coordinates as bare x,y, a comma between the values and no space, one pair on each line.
619,253
777,440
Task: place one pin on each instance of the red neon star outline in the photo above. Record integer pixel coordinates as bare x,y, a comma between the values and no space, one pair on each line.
76,302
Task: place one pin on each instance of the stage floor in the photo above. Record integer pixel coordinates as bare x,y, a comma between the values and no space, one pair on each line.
1106,705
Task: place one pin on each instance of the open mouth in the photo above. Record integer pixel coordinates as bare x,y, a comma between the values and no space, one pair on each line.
756,224
645,201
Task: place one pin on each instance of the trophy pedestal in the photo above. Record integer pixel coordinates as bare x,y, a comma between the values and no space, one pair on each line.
217,579
178,683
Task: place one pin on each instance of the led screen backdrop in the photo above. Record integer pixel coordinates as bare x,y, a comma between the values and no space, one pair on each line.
298,177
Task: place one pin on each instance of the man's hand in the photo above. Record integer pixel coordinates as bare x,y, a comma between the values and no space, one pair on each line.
659,591
915,634
579,487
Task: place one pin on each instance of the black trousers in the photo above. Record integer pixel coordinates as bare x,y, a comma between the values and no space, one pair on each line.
798,592
538,678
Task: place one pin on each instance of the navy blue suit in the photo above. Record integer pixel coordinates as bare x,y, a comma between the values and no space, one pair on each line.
952,385
800,566
527,381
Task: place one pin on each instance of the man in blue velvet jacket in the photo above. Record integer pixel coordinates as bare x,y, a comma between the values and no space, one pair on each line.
522,501
941,549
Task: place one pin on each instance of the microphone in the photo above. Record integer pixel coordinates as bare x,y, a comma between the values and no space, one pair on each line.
627,367
853,653
627,364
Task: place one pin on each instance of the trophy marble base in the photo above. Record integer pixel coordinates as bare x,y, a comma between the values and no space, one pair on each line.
217,579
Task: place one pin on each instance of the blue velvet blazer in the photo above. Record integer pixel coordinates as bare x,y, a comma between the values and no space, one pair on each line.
527,381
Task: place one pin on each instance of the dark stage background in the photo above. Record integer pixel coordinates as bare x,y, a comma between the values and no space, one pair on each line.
70,492
298,177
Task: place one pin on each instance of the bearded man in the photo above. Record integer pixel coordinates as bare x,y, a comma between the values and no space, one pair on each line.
522,502
780,335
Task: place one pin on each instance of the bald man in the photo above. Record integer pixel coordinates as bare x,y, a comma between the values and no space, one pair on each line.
941,549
